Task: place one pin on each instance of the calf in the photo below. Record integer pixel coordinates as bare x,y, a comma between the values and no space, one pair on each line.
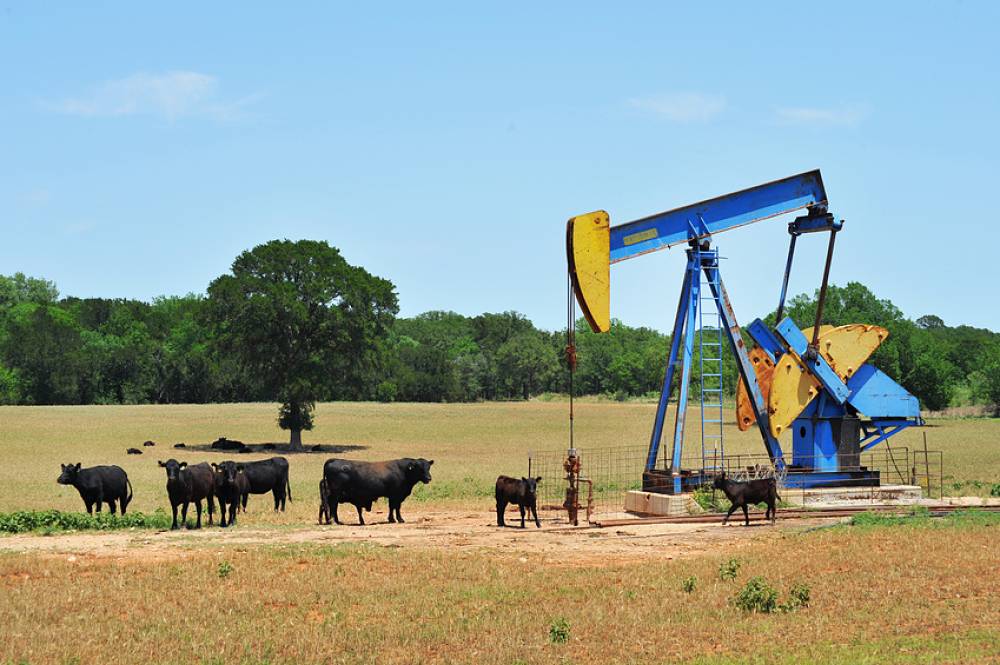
362,483
741,495
517,492
98,484
325,515
231,485
189,484
269,475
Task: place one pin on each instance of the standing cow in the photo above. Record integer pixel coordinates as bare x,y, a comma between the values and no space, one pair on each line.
270,475
98,484
189,484
520,493
231,486
362,483
764,490
325,515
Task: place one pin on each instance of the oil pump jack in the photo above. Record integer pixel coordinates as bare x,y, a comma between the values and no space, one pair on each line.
811,382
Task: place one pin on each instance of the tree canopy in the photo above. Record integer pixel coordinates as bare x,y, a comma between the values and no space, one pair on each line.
303,322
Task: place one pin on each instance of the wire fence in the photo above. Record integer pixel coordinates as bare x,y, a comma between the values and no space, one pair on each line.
608,474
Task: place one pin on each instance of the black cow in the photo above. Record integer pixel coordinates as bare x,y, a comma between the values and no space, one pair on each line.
520,493
324,503
269,475
98,484
189,484
362,483
741,495
230,487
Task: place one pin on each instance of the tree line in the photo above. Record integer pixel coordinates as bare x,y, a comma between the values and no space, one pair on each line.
238,343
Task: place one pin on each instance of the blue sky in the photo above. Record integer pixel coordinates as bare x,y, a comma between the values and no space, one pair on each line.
443,146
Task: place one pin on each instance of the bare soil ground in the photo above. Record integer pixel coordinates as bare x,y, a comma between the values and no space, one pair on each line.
465,531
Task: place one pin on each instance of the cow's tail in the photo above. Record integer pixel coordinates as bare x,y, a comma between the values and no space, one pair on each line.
127,499
288,487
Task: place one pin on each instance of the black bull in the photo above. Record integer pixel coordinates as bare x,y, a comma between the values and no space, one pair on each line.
362,483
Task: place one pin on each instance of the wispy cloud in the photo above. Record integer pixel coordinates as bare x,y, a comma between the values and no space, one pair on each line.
682,106
846,115
173,95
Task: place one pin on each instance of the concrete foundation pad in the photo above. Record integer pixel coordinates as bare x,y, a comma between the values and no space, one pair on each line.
648,504
666,505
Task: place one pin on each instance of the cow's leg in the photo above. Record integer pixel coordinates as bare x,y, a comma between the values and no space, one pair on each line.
111,506
501,508
90,507
394,507
534,512
746,515
731,509
361,518
521,506
210,500
184,514
222,513
334,502
173,507
232,513
197,506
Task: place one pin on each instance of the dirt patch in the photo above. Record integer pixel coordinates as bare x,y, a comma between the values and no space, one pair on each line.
468,531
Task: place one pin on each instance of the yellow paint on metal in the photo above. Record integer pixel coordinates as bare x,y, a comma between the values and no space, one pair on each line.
764,369
848,347
793,387
588,252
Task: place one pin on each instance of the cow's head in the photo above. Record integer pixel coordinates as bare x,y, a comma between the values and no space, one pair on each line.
419,470
531,484
173,468
69,474
227,472
720,480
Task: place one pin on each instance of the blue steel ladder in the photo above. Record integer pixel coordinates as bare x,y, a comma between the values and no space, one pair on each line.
710,326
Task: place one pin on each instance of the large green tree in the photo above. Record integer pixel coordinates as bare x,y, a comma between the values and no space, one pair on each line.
305,322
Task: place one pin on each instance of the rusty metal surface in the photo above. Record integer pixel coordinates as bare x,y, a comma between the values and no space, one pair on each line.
763,367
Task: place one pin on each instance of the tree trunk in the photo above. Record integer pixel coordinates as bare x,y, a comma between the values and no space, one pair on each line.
295,444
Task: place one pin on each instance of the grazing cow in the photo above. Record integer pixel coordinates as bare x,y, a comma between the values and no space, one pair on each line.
189,484
269,475
324,503
741,495
98,484
230,486
362,483
520,493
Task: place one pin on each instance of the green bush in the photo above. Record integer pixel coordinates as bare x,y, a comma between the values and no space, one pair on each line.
53,521
729,570
559,631
758,596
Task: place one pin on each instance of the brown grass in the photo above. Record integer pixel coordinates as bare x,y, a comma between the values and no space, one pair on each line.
903,594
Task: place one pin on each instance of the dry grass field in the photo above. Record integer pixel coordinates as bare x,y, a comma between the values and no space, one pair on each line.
449,586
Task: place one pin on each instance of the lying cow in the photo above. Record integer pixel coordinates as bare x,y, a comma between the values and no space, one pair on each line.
324,503
362,483
231,485
98,484
270,475
751,493
189,484
520,493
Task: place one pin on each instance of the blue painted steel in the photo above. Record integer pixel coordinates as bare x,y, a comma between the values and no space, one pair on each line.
879,430
877,396
684,329
765,340
817,365
714,215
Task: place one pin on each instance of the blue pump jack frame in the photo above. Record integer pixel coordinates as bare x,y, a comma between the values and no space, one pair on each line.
701,259
815,461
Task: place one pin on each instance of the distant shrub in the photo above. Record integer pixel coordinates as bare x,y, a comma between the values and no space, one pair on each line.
689,584
729,570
